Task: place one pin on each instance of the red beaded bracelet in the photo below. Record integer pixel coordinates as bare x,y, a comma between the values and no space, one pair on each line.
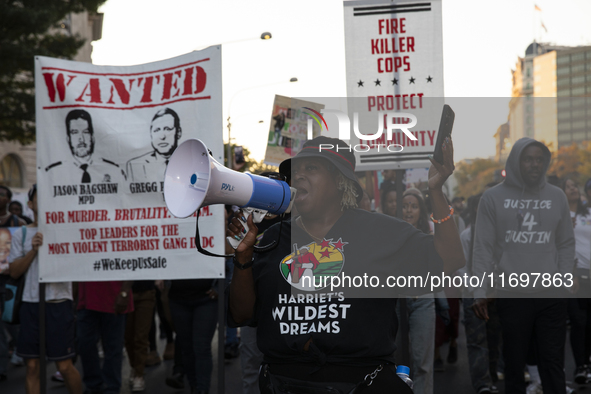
439,221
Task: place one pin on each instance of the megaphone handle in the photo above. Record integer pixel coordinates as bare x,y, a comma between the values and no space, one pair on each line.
257,216
257,249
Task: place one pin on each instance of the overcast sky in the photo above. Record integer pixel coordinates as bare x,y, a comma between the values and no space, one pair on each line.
481,43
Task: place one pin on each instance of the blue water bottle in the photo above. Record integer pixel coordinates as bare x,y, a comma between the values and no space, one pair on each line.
403,373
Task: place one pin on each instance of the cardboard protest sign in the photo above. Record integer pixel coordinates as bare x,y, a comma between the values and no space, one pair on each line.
104,138
394,62
289,125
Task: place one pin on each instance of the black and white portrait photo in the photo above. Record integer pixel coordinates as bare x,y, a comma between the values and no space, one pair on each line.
165,133
83,167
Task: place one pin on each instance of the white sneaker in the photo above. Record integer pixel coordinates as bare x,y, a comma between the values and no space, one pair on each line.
57,377
534,388
101,352
138,384
16,360
527,377
569,390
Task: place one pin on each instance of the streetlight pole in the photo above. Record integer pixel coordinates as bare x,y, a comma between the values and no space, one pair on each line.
264,36
229,149
221,283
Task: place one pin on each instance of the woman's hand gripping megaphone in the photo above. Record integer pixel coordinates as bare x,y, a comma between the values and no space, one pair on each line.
242,234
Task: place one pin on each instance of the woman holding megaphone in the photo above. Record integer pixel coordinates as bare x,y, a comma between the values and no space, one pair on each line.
324,299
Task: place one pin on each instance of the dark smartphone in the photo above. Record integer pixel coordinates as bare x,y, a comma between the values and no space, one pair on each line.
445,126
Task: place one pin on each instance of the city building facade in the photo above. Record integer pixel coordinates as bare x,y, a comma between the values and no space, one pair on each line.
551,96
503,143
18,162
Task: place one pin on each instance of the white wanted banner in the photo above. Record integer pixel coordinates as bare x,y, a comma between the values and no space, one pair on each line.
104,138
394,60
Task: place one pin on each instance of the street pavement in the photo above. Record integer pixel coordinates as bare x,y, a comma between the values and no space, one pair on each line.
154,376
455,379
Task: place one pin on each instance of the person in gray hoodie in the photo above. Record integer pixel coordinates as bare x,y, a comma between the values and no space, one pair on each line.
524,232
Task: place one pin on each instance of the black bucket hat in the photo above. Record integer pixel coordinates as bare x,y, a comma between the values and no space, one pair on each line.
332,149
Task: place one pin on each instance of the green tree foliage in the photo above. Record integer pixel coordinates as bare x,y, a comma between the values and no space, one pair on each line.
259,167
30,28
474,175
573,161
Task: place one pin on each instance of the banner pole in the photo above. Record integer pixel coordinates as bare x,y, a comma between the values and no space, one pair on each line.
42,352
229,148
221,334
403,329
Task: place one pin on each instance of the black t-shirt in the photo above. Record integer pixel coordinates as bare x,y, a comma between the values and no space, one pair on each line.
142,285
344,330
189,289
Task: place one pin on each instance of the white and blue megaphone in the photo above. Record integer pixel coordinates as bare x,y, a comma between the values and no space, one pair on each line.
194,179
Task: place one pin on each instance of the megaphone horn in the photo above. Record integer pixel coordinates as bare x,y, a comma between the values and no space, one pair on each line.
194,179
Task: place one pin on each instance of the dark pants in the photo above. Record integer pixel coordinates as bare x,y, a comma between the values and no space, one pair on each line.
539,322
195,322
231,332
4,344
178,367
137,329
109,328
476,341
444,333
165,325
579,313
495,342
